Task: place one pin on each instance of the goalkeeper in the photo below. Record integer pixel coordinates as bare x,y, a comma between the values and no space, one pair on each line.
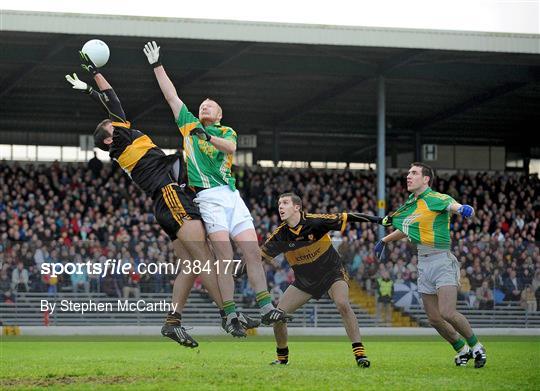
425,220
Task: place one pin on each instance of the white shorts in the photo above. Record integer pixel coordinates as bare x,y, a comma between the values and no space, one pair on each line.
223,210
437,270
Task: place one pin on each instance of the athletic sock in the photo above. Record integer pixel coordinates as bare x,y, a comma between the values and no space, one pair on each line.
473,340
229,307
283,355
264,301
173,318
358,350
458,345
222,313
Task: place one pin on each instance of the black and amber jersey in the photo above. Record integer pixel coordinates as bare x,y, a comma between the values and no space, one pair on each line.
307,247
147,165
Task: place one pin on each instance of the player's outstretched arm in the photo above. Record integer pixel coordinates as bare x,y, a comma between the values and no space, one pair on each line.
107,98
463,210
356,217
151,50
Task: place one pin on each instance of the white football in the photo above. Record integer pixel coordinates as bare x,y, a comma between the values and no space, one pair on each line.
98,51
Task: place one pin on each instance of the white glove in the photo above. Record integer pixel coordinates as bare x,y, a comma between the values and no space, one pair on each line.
151,49
78,84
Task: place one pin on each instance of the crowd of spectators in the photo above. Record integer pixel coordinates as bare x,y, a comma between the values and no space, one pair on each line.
79,213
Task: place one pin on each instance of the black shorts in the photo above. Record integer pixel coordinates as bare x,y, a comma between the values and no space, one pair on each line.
324,283
173,205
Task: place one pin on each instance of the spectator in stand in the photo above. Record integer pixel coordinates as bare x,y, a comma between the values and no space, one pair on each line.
513,286
464,289
62,209
528,299
484,297
385,292
79,281
131,283
95,165
19,278
536,286
5,284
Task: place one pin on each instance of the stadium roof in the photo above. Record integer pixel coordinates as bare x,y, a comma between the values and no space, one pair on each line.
315,87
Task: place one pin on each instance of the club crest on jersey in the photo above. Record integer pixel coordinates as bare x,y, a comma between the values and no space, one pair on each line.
207,148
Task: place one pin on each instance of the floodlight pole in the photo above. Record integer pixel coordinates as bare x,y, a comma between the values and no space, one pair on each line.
381,147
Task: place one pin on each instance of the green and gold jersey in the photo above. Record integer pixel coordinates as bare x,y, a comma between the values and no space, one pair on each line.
426,219
206,165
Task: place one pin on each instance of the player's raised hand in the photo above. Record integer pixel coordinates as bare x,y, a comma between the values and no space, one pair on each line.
78,84
87,64
151,50
466,211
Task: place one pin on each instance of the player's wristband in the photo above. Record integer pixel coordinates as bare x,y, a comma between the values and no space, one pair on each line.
156,64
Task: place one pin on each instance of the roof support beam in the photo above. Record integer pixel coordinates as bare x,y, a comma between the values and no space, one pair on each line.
324,96
27,69
469,104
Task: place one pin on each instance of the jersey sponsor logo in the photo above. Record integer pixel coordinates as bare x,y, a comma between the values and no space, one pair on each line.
310,253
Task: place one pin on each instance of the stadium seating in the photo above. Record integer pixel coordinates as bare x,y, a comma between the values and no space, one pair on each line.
199,311
67,212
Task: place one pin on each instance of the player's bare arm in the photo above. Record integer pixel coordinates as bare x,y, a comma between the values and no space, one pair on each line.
223,145
151,50
394,236
101,82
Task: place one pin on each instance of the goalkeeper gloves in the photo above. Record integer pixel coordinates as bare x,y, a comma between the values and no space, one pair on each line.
466,211
386,221
151,49
87,64
78,84
201,134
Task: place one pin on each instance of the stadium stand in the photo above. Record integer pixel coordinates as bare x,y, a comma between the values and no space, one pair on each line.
76,213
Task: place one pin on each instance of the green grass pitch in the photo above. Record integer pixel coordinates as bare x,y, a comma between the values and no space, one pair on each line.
146,363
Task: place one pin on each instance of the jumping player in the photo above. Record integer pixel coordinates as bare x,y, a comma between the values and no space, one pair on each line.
209,147
160,177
